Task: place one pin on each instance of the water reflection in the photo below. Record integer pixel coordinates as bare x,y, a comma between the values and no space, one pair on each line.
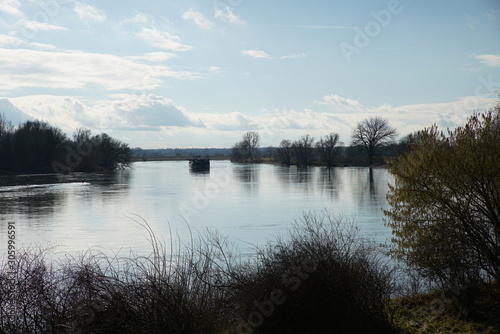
110,186
248,175
60,208
372,183
295,175
381,180
202,170
39,196
368,187
328,181
284,173
30,201
303,174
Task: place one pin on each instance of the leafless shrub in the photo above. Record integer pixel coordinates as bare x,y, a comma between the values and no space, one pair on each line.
321,278
170,291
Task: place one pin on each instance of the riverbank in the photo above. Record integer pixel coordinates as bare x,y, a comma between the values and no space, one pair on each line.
175,158
98,297
437,312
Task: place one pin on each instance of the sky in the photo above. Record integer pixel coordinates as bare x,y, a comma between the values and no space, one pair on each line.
201,73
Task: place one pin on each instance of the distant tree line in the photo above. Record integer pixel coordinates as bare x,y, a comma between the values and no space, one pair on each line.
180,152
36,146
372,140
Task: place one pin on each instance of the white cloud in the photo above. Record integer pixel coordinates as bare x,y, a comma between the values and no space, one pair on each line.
343,104
77,69
228,16
162,39
12,113
234,121
154,57
214,69
11,7
135,116
125,111
256,53
415,117
318,26
408,118
63,112
86,11
489,60
37,26
41,46
197,18
147,111
139,18
296,55
10,41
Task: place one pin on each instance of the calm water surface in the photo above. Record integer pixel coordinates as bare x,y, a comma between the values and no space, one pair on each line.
248,203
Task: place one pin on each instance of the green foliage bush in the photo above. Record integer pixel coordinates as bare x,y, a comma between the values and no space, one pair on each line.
445,203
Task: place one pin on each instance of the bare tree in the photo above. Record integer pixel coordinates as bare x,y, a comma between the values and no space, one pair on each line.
82,136
328,149
239,152
251,141
371,134
247,148
284,152
303,149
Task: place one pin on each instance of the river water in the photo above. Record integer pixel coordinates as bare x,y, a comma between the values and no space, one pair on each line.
248,203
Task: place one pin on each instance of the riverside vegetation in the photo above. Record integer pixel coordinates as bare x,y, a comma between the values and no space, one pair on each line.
38,147
323,277
372,140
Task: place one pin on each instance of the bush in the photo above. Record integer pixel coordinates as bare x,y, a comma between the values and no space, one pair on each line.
445,202
324,278
96,293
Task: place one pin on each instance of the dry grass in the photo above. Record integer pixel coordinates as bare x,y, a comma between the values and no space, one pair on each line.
439,312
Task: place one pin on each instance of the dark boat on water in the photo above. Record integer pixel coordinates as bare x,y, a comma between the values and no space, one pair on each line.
199,164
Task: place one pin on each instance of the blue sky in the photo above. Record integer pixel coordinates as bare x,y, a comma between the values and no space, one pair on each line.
159,74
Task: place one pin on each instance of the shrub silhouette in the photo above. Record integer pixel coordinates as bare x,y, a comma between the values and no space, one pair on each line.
98,293
323,278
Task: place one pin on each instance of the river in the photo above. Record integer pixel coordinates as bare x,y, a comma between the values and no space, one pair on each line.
248,203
